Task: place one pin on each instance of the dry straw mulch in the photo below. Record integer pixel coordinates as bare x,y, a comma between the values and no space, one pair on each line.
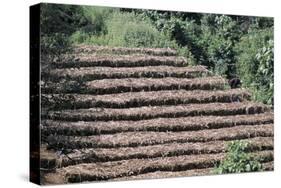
160,124
130,113
150,112
94,73
268,166
118,61
117,169
137,99
90,49
134,139
93,155
109,86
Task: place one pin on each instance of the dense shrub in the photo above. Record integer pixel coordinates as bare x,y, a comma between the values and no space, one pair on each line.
54,44
57,23
255,63
210,41
56,18
219,34
238,160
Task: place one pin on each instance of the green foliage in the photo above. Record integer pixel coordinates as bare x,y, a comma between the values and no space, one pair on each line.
55,44
56,18
128,29
186,52
255,63
238,160
57,22
123,29
219,34
96,17
231,46
140,35
265,76
211,41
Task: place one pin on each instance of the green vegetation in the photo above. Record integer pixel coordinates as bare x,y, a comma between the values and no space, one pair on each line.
57,23
255,63
231,46
238,160
116,28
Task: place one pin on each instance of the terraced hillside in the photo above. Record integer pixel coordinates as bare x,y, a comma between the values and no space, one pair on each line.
132,113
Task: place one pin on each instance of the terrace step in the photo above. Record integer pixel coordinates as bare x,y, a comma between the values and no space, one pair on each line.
93,155
110,86
159,124
169,174
90,49
95,73
138,99
150,112
267,166
131,113
69,61
117,169
134,139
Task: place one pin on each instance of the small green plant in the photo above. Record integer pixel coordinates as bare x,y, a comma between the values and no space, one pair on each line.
238,160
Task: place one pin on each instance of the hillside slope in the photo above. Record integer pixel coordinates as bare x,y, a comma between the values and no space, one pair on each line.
132,113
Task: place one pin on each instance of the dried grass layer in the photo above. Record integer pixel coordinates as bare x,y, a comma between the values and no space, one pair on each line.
90,49
267,166
124,168
134,139
138,99
150,112
69,61
93,155
110,86
96,73
160,124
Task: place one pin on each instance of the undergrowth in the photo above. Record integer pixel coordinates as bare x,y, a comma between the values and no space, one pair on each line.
238,159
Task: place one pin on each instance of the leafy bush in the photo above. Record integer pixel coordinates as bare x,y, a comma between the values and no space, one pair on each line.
66,19
255,63
238,160
54,44
265,73
219,34
57,23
